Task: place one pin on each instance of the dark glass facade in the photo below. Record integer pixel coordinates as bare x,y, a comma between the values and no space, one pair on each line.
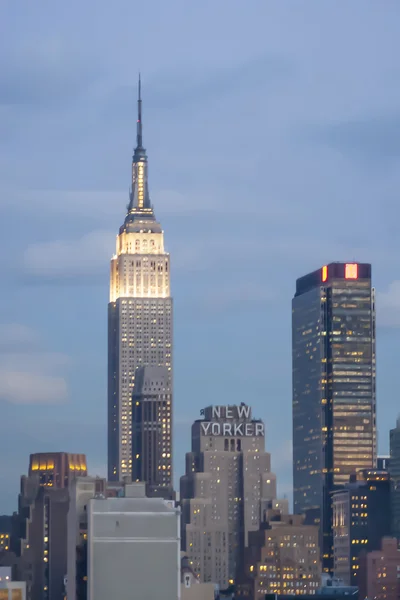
394,470
334,399
151,431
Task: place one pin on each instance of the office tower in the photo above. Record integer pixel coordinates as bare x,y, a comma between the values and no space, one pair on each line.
151,431
394,470
379,572
133,547
39,529
139,311
227,486
361,518
334,407
44,548
282,558
57,469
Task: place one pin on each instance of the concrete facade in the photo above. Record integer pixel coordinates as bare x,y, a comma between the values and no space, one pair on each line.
133,547
227,486
9,589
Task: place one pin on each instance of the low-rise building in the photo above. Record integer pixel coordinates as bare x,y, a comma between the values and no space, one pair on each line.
9,589
380,571
283,557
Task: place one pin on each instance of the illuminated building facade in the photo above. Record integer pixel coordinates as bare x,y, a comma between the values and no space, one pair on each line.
139,311
57,469
334,397
151,428
227,486
379,572
361,518
282,558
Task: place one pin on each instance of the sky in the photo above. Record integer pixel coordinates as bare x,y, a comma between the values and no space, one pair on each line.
273,135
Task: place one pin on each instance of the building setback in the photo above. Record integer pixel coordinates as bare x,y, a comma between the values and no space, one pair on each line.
139,311
151,431
334,398
227,485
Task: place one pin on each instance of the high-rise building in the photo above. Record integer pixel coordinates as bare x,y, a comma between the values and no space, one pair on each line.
361,518
133,547
44,548
39,529
81,492
227,486
139,311
394,470
57,469
334,397
151,431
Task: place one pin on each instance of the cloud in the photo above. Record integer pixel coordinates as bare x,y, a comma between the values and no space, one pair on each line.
82,257
15,335
20,387
29,375
376,138
232,295
45,71
388,306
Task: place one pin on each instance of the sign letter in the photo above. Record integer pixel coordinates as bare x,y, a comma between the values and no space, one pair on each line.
244,411
260,429
227,428
205,427
216,429
216,412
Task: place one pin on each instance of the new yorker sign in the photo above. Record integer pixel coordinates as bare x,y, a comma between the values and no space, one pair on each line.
231,421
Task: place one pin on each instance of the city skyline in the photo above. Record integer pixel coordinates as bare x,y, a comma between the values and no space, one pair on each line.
321,128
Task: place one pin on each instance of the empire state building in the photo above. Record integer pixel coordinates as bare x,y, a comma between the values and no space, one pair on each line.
140,339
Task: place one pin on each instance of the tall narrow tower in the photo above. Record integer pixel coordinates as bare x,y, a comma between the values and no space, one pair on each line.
334,391
139,311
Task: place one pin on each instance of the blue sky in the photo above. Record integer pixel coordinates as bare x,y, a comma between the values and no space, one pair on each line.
273,134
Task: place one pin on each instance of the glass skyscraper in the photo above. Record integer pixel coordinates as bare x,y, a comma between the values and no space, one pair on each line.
334,394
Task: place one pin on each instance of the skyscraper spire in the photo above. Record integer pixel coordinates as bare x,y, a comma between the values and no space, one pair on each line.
139,198
139,135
